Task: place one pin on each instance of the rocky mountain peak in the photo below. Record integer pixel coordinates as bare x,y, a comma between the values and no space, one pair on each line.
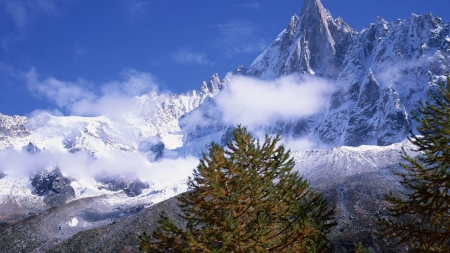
314,42
381,73
212,87
291,29
323,38
214,84
313,11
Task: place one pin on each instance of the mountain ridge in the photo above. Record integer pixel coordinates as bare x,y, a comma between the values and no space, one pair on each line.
379,74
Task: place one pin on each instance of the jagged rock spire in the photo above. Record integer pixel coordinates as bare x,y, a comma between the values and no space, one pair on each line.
313,21
315,42
323,39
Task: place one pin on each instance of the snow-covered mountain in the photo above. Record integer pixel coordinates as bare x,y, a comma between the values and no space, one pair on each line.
354,178
156,116
379,74
50,160
313,43
375,77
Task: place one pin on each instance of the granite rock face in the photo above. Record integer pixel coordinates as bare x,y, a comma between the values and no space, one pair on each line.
379,75
12,127
31,148
312,43
53,186
131,187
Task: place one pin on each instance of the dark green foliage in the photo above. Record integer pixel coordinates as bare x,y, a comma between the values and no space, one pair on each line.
361,249
246,198
422,216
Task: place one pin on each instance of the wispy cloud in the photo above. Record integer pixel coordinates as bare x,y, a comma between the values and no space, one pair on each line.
253,5
138,6
89,99
239,37
9,70
21,13
79,50
184,56
137,9
61,93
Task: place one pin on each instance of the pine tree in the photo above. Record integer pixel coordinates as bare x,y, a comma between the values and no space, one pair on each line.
361,249
422,215
246,198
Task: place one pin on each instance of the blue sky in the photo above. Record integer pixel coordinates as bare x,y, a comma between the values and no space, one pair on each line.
89,46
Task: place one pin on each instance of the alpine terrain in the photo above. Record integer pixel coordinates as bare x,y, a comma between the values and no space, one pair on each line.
92,184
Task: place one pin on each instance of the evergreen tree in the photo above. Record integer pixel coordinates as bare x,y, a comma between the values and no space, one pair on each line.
246,198
422,215
361,249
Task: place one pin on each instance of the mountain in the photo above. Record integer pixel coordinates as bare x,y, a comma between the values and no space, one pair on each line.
51,160
313,43
379,74
354,179
67,179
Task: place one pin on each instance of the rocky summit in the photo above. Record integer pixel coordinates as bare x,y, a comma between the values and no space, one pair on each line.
379,74
91,184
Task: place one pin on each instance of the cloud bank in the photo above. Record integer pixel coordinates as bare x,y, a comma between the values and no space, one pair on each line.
254,102
83,165
83,98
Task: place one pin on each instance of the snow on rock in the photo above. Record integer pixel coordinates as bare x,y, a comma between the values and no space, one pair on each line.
379,75
312,43
157,116
73,222
33,150
53,186
16,199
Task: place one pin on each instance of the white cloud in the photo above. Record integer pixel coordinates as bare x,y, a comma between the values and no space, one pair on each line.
388,73
185,56
37,112
61,93
133,83
290,142
239,37
254,102
168,170
298,144
82,165
87,99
